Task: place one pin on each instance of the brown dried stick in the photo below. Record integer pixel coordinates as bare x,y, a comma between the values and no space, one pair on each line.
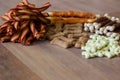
24,33
33,29
20,29
5,24
29,40
70,14
5,39
15,37
26,2
44,7
5,18
16,25
69,20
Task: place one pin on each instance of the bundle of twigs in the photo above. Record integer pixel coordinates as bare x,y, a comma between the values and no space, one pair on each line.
24,23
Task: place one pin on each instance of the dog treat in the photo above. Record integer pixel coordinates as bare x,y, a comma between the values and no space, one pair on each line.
54,31
56,35
103,25
62,41
73,26
117,25
114,35
70,14
100,46
69,34
5,38
69,17
24,23
69,20
59,42
59,27
73,35
72,31
81,41
101,19
77,35
63,38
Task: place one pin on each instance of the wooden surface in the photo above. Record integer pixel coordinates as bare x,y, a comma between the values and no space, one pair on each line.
12,69
43,61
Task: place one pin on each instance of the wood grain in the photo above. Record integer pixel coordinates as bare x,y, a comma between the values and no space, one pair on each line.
12,69
51,62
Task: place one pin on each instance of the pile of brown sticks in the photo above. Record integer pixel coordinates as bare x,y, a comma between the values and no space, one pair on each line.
24,23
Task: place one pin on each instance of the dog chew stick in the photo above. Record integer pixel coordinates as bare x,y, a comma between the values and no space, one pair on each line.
70,14
60,43
24,33
73,26
79,31
66,39
16,25
29,40
45,6
56,35
69,20
5,24
24,24
78,35
15,37
81,42
5,39
25,2
70,36
32,27
5,17
43,19
26,11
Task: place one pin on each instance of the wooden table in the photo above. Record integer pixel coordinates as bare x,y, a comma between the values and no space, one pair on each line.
43,61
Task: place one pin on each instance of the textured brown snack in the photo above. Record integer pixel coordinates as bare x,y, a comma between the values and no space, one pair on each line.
81,42
101,19
15,37
79,31
69,36
43,19
5,24
73,26
26,11
60,43
24,23
69,20
111,23
5,17
74,35
117,25
56,35
63,38
5,39
29,40
24,33
43,8
16,25
70,14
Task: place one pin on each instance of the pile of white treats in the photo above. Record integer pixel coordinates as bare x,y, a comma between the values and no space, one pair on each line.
101,46
104,30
